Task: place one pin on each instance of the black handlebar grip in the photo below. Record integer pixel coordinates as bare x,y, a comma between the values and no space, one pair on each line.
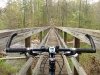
16,50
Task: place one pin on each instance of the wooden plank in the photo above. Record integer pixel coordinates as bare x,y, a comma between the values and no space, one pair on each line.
28,42
92,32
6,33
26,66
67,66
2,53
30,60
78,67
36,70
27,45
44,40
12,58
87,31
40,36
76,45
81,36
21,36
65,37
21,31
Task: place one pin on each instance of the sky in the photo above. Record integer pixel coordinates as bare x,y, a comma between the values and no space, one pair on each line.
4,2
93,1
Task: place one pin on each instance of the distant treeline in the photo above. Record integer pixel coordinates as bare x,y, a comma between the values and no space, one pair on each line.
30,13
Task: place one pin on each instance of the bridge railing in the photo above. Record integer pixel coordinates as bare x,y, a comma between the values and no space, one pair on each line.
23,34
79,34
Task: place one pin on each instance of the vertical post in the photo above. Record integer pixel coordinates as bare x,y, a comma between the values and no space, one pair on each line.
65,37
58,31
44,33
41,35
61,33
1,55
76,45
28,44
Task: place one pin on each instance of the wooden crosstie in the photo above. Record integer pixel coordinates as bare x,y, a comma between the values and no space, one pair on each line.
50,36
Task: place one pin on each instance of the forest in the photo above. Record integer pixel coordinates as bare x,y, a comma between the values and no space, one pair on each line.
34,13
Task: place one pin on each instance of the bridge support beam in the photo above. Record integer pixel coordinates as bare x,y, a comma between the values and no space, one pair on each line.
76,45
65,37
41,35
28,44
60,32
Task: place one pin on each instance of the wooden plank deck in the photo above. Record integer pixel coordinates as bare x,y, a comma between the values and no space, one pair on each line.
52,41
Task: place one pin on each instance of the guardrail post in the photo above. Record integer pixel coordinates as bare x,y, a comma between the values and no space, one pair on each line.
41,35
44,33
28,44
58,31
61,33
76,45
65,37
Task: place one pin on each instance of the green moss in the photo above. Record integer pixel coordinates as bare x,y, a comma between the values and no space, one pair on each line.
84,45
6,69
69,37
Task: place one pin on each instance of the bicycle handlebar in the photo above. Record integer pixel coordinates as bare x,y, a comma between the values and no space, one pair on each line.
68,51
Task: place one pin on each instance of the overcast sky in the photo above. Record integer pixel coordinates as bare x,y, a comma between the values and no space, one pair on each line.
3,2
92,1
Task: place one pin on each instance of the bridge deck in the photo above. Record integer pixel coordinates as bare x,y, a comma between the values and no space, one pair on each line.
52,41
